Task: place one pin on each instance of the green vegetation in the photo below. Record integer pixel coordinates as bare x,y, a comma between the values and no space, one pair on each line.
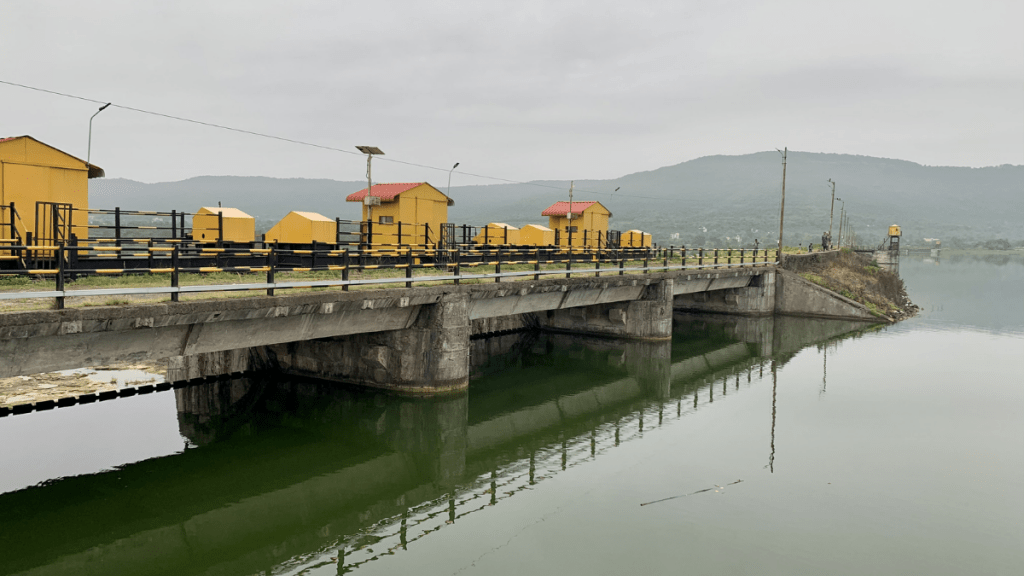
853,277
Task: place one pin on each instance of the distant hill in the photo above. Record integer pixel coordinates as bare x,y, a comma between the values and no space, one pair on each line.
714,200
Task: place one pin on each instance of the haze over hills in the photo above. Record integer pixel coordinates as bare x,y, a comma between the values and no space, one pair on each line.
709,201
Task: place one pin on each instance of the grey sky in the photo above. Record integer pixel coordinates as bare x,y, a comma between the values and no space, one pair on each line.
522,90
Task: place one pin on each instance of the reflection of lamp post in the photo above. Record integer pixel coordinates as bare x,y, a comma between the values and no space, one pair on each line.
368,200
450,179
88,154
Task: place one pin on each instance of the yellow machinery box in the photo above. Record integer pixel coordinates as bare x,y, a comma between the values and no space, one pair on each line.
238,226
303,228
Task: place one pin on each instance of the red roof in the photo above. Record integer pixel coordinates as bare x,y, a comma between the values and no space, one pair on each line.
562,208
11,138
386,192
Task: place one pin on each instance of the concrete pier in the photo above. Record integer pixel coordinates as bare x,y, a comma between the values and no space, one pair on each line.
428,357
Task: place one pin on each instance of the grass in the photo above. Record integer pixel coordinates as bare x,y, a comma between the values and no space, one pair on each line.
871,306
867,283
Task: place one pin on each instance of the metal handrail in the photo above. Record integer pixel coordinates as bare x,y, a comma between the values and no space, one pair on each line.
63,257
330,283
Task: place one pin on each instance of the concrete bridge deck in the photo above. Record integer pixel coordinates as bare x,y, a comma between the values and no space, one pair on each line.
414,339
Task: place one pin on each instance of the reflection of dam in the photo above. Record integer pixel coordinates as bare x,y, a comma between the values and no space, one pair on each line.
301,472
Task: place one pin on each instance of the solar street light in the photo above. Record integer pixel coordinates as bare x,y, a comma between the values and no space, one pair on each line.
370,152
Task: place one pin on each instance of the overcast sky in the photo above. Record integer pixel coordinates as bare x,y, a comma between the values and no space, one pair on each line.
522,90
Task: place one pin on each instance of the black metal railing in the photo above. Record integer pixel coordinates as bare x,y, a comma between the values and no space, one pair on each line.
65,262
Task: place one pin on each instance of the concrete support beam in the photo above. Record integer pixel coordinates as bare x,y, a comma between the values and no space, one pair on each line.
75,338
503,324
648,318
430,356
215,364
747,295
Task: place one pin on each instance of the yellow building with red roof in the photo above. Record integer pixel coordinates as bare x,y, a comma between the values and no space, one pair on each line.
408,213
589,221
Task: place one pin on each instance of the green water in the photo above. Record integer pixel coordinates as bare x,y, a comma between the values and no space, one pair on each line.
744,446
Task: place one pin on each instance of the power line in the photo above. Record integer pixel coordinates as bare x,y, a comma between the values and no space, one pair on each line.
172,117
312,144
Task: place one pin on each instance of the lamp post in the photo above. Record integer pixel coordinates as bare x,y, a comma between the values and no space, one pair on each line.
450,179
368,201
88,153
782,208
842,213
831,211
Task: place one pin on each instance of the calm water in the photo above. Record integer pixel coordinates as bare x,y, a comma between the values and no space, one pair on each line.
742,447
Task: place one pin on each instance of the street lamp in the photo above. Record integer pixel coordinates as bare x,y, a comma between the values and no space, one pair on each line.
831,211
782,208
369,201
842,213
450,179
88,154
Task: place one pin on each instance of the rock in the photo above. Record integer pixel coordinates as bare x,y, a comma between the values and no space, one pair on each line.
20,399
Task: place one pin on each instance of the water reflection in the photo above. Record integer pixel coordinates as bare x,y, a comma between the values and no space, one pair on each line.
288,475
967,290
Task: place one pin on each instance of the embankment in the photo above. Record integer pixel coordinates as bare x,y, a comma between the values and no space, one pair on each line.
857,278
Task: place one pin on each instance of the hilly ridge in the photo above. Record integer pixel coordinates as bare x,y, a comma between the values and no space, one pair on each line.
711,201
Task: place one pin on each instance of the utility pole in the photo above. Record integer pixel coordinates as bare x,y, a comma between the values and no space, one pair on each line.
782,209
841,227
832,210
571,184
842,212
568,229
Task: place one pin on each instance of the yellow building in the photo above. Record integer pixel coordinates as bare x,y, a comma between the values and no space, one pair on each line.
498,233
589,220
238,226
303,228
536,235
418,206
635,239
32,172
